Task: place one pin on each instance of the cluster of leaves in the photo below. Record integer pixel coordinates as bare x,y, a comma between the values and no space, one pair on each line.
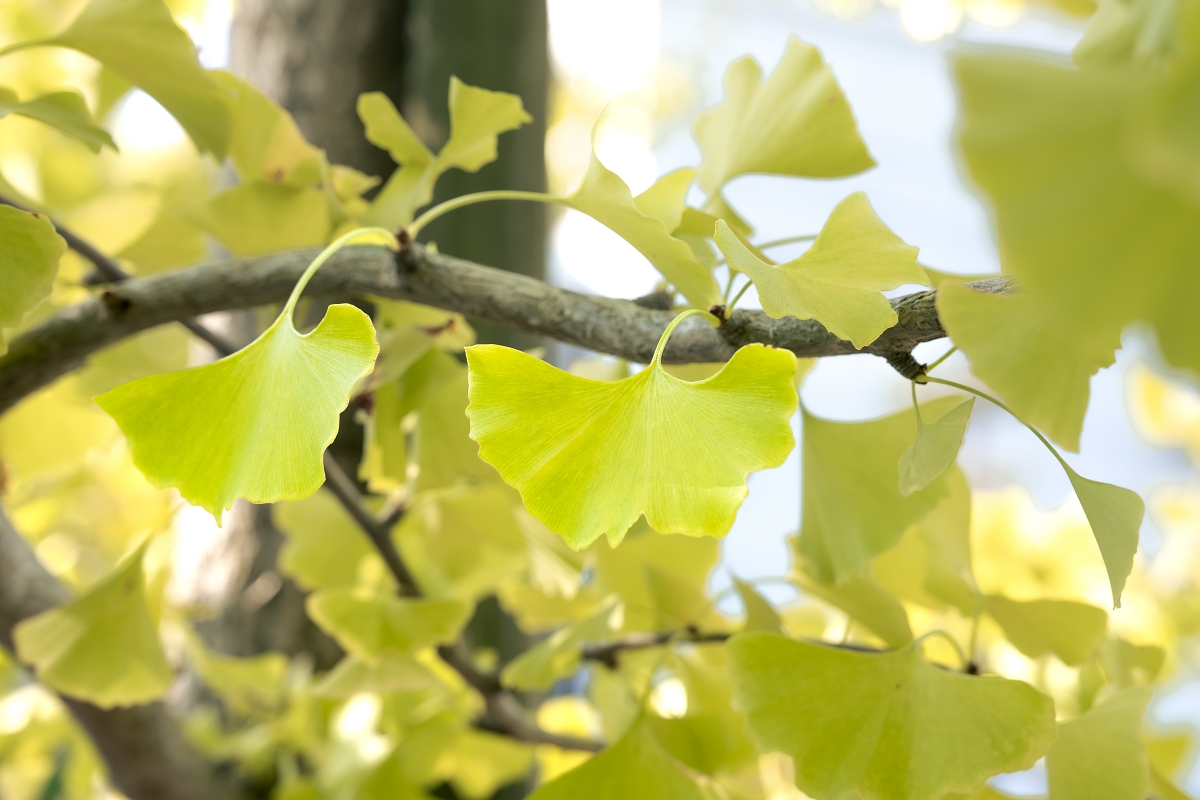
590,502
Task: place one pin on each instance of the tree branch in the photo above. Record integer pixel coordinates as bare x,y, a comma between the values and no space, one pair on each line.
146,753
618,327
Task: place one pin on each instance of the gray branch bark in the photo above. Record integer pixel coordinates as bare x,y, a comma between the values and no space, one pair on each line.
147,756
619,327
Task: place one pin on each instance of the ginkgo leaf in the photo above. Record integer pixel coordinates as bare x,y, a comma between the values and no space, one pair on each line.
852,509
1068,629
265,143
64,111
635,768
390,672
1130,32
141,41
243,684
30,249
797,122
590,457
889,726
1115,515
477,118
666,199
261,217
240,427
102,646
861,597
558,656
325,547
368,625
1035,354
760,615
840,279
935,448
1100,755
1128,664
606,198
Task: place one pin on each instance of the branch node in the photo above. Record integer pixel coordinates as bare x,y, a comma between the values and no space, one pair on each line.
115,302
904,363
718,311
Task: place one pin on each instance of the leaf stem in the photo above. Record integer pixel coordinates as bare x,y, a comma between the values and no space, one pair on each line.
943,357
17,46
962,658
738,296
974,640
916,406
691,312
999,404
429,216
324,256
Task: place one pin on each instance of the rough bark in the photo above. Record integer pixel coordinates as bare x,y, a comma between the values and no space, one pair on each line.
618,327
147,755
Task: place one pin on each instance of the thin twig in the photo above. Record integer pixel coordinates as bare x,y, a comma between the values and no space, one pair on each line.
606,653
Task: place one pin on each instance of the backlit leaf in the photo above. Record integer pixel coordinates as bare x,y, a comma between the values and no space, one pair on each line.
1115,515
102,646
840,279
239,427
30,248
852,510
862,598
325,548
890,726
265,144
796,122
64,111
139,40
477,118
635,768
590,457
1100,755
935,449
1130,32
558,656
368,625
1068,629
261,217
760,615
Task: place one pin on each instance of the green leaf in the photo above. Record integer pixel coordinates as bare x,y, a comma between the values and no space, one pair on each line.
635,768
477,118
325,548
1037,356
1068,629
261,217
890,726
852,508
760,615
102,646
838,281
367,625
1130,32
861,597
590,457
238,427
30,249
139,40
797,122
243,684
606,198
480,762
390,672
666,199
1115,515
935,449
558,656
265,144
1100,755
65,111
1127,664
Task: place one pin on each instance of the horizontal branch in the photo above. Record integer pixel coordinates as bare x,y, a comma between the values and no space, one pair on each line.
618,327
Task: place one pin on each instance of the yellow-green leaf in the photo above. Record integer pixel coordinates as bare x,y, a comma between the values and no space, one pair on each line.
240,427
635,768
477,118
1115,515
1068,629
139,40
606,198
64,111
325,547
102,646
840,279
666,199
890,726
861,597
558,656
590,457
797,122
852,509
760,615
265,144
1100,755
262,217
367,625
1130,32
30,248
243,684
935,448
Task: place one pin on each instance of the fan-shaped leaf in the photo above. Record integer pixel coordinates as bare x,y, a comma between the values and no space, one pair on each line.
64,111
265,144
368,626
262,217
838,281
1101,755
254,424
101,647
30,248
862,598
1068,629
590,457
1115,515
558,656
797,122
890,726
935,449
760,615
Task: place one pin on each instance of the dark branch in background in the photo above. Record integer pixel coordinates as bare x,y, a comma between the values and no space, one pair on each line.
618,327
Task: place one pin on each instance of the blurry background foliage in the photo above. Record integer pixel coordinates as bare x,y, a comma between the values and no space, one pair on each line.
308,715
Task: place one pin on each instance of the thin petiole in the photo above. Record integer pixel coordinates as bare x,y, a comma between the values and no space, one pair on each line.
729,306
974,640
943,357
324,256
916,406
691,312
953,643
429,216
